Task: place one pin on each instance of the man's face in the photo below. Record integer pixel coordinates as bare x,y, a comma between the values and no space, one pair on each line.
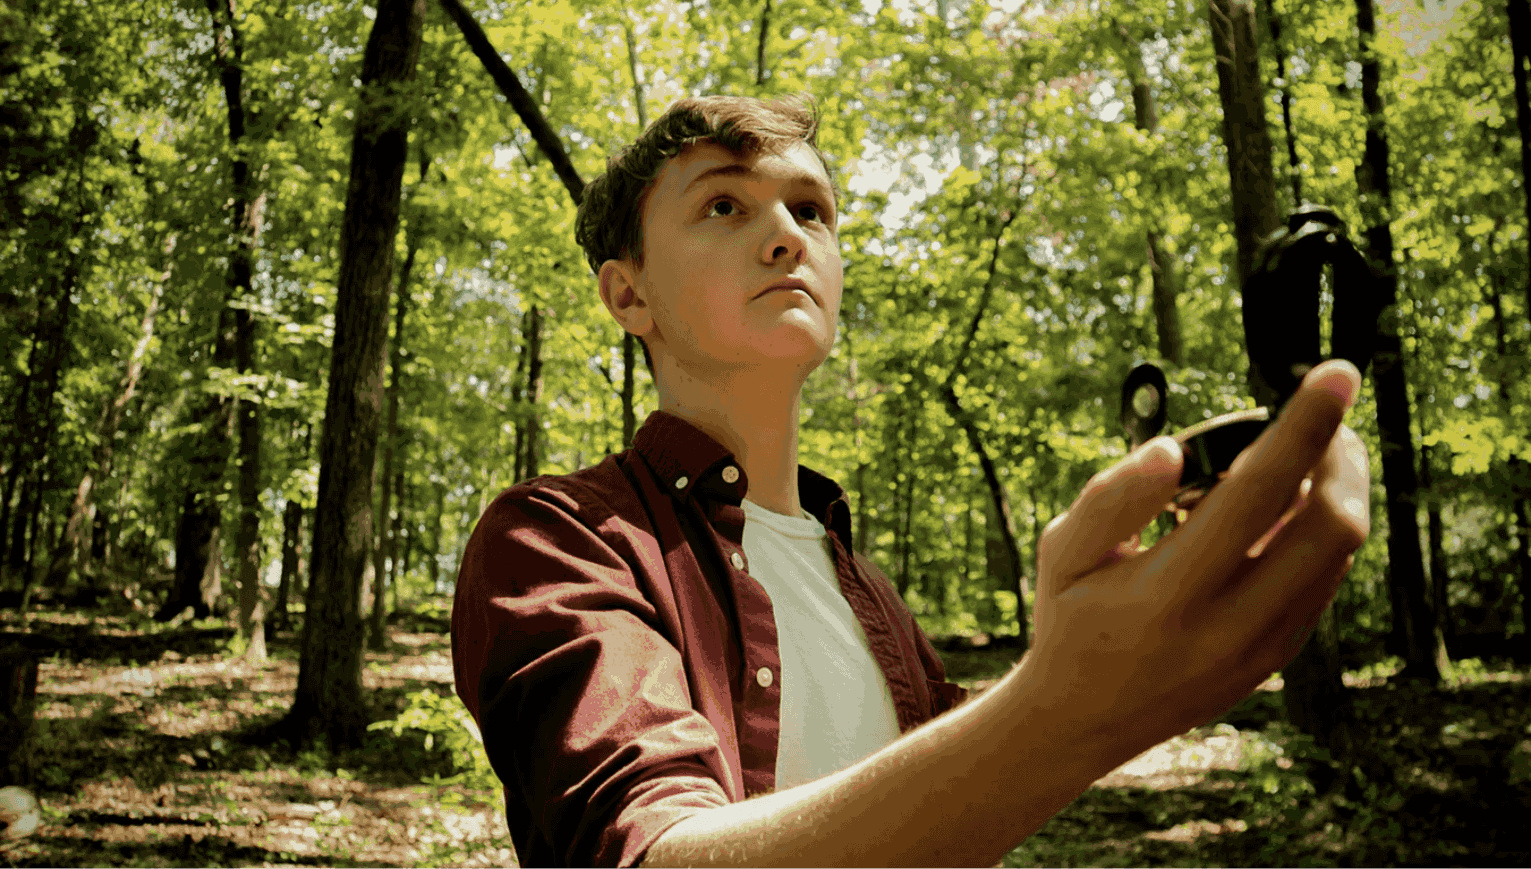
741,259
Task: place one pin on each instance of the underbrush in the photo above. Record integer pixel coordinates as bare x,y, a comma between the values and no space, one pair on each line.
155,749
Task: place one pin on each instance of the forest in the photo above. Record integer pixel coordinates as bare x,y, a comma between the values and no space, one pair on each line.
289,290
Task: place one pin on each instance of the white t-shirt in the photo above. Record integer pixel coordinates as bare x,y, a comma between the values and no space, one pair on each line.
835,704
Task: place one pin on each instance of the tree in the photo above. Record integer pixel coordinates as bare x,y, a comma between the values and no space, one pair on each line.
1000,503
1422,646
1520,46
1314,693
1165,285
329,699
385,551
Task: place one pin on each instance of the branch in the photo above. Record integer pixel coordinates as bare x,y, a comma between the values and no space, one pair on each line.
547,140
983,303
765,23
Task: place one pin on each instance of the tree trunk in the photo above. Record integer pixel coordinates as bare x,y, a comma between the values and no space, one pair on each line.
1423,649
531,420
1161,268
32,512
1242,94
906,515
436,517
247,204
1314,693
1000,502
377,631
1294,165
247,544
760,51
1015,581
1520,50
398,555
329,699
1435,535
75,553
629,340
35,421
1519,472
292,549
197,583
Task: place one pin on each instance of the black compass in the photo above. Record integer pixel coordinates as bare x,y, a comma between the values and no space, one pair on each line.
1281,315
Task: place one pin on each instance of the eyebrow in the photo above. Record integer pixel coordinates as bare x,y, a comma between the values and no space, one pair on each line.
737,170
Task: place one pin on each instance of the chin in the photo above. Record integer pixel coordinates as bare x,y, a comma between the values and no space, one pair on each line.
801,347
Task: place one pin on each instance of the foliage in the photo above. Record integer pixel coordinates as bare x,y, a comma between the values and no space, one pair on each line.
444,718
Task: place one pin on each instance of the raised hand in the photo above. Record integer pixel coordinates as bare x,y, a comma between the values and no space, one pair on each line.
1142,644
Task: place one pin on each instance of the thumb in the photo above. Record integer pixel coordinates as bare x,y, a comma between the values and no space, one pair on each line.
1114,506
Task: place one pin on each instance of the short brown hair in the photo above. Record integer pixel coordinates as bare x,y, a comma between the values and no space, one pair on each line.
610,220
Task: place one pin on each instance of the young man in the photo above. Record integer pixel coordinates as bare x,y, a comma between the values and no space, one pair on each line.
675,658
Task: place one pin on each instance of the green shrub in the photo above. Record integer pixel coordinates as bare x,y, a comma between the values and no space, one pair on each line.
445,721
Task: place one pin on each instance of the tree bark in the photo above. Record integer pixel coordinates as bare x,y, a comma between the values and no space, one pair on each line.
197,583
1314,692
329,701
1294,165
1520,49
436,517
1422,647
629,340
1435,536
292,553
1161,268
247,204
1242,94
377,631
1519,472
760,51
531,420
247,544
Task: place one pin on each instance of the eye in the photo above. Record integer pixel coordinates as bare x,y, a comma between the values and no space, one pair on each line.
722,208
809,212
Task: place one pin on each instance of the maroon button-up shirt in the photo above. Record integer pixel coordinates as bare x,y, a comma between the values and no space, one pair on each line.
608,646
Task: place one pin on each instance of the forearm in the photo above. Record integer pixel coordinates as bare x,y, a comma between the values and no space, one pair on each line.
961,790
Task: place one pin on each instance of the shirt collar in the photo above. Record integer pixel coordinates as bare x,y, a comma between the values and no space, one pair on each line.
689,461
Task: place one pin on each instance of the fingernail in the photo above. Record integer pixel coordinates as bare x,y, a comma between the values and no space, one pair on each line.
1353,384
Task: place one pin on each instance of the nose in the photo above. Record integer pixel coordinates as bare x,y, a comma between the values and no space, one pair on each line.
784,237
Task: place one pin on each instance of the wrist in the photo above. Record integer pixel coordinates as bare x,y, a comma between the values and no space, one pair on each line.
1087,729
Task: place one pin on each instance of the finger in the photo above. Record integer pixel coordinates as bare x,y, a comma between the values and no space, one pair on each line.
1297,504
1263,483
1301,568
1113,507
1293,628
1336,517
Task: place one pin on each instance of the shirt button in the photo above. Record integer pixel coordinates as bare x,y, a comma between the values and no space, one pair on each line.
681,483
730,474
737,560
763,677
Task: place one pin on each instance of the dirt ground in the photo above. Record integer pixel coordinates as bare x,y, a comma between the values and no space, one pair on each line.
150,755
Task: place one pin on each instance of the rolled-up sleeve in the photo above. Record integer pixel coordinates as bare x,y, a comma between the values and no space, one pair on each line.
580,693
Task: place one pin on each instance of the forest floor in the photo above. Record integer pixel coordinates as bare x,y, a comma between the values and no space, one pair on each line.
150,755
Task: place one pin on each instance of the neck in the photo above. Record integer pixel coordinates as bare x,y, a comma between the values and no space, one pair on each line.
752,413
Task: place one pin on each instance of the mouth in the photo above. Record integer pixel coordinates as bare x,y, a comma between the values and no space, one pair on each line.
787,285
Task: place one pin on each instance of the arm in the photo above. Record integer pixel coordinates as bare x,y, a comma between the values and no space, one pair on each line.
1132,648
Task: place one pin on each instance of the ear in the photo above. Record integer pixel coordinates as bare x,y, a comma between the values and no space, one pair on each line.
619,291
